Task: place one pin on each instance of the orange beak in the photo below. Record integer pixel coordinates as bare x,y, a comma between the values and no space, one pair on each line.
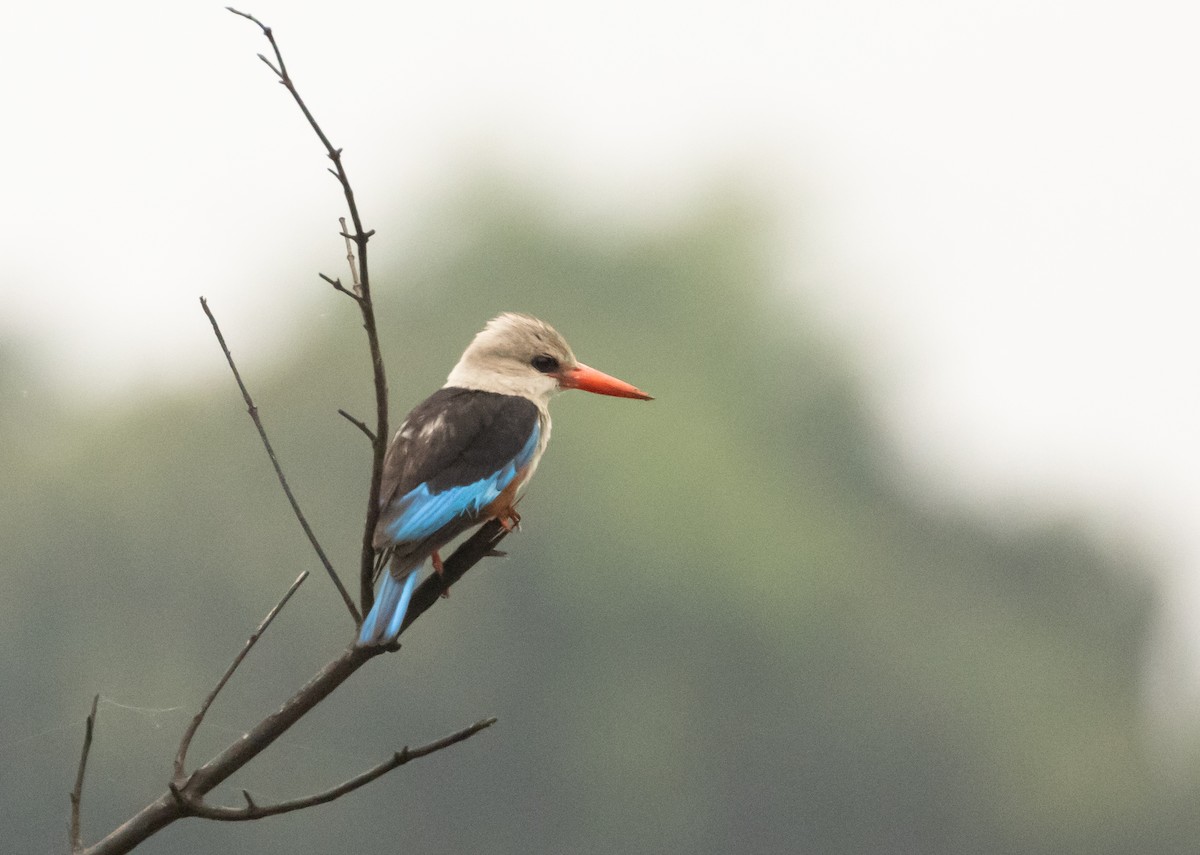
591,380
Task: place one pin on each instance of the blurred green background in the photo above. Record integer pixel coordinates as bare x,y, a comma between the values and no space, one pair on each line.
730,623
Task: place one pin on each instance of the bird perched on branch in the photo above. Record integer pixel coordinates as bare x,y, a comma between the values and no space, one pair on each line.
462,456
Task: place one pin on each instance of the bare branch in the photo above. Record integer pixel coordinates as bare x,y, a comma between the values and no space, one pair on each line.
253,410
363,288
350,255
252,810
172,805
338,286
358,424
266,61
77,792
186,742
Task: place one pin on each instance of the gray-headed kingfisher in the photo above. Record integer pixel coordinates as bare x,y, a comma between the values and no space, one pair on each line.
463,455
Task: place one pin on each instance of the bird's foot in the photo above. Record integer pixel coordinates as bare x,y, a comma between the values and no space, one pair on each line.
511,520
437,562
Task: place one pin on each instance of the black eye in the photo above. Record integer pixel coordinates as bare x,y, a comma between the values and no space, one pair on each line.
545,364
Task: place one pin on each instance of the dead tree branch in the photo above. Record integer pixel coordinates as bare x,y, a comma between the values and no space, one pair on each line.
174,803
185,794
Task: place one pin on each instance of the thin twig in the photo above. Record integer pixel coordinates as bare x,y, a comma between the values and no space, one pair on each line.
338,286
253,410
363,289
190,733
350,257
77,791
253,810
358,424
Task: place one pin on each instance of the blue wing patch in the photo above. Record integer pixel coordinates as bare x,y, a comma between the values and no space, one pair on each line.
422,512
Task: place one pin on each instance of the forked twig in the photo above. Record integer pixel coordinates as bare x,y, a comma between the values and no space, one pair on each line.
338,286
186,742
252,408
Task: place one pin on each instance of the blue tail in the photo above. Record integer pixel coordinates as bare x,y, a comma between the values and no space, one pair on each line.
382,625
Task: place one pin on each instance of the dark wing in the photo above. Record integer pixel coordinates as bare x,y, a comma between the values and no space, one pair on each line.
454,453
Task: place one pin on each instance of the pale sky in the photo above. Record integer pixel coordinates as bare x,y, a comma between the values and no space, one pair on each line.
998,202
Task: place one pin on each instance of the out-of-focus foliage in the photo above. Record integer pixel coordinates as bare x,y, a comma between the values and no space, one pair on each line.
729,624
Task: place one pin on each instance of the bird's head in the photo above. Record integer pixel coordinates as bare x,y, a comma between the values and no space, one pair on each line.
521,355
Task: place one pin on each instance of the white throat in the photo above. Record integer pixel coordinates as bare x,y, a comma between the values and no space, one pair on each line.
538,388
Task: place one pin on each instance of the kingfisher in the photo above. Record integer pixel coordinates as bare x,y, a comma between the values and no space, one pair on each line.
463,455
